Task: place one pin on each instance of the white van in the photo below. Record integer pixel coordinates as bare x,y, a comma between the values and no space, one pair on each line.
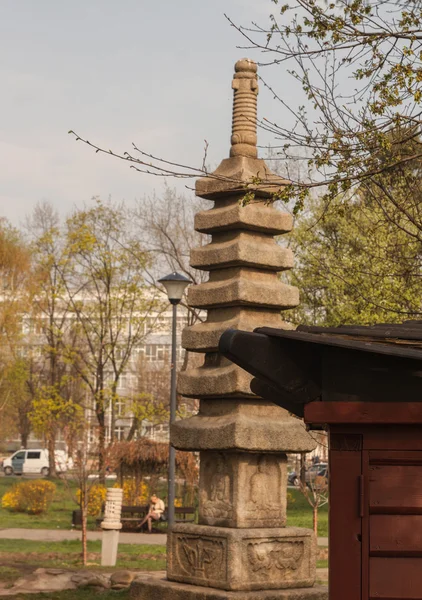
35,461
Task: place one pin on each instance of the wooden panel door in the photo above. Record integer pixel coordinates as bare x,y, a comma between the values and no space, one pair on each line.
394,502
345,522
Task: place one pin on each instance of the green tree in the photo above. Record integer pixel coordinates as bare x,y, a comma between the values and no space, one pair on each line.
17,397
50,329
353,265
51,412
15,263
108,302
146,407
15,277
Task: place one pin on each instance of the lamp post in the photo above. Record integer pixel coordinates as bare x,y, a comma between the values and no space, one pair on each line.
175,285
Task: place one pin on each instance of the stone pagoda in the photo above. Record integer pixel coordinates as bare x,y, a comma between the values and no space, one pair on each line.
241,548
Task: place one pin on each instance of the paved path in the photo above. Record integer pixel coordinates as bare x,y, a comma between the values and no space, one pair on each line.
57,535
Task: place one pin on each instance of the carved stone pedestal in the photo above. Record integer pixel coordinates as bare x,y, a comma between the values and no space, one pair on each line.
162,589
242,559
242,489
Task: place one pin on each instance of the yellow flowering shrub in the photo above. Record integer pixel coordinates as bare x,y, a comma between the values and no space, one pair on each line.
133,496
9,500
32,497
96,498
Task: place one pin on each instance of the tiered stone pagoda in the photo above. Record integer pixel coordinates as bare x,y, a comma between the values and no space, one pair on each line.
241,548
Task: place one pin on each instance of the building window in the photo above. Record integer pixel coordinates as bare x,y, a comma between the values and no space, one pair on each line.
157,352
119,433
120,407
163,352
123,382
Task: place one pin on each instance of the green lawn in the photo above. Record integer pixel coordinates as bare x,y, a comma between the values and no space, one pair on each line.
67,554
299,513
59,516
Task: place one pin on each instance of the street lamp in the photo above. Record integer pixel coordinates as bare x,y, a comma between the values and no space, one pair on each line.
175,285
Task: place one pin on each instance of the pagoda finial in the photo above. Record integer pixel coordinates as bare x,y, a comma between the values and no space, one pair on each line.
245,86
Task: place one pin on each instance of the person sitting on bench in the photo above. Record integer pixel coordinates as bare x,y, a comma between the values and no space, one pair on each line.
156,509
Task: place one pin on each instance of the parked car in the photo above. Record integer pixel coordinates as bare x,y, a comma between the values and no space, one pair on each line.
317,470
35,461
293,479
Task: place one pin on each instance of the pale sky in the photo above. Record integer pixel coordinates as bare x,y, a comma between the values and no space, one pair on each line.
157,73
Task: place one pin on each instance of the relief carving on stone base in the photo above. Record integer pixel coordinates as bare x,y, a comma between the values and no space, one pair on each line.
264,494
202,558
216,498
274,558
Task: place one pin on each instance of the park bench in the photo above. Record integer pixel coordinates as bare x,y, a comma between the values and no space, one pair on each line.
132,516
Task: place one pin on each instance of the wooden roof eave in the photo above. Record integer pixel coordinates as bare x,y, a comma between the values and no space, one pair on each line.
284,373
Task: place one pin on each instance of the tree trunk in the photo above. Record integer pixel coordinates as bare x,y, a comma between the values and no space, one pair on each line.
84,503
51,445
132,430
24,439
24,424
302,468
113,412
101,447
315,519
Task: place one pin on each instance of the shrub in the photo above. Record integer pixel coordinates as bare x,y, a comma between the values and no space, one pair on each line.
32,497
133,494
96,498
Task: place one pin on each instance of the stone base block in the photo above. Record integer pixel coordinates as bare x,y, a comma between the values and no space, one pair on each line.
162,589
241,559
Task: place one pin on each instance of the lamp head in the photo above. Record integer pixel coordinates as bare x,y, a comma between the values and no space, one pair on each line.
175,285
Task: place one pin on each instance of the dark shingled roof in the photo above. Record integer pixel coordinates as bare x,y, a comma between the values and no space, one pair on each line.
404,339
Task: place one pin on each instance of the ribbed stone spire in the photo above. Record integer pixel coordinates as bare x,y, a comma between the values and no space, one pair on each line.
245,86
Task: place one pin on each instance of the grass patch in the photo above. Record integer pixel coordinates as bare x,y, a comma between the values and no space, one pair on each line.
59,515
8,574
322,564
67,554
299,513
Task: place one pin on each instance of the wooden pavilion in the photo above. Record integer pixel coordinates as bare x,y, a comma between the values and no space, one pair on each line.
364,385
